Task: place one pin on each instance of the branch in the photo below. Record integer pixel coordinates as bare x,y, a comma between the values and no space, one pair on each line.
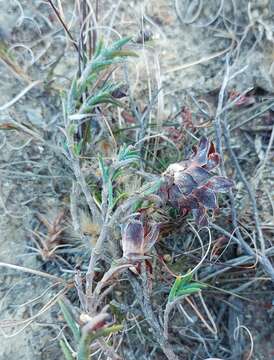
143,298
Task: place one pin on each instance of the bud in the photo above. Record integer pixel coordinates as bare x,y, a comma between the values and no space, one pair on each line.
138,239
133,239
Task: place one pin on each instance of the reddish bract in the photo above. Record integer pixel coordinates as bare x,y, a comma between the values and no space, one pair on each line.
138,237
191,186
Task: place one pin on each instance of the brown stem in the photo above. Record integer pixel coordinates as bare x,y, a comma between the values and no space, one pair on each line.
64,26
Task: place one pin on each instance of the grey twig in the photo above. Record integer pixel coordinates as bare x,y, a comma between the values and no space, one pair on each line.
142,295
222,129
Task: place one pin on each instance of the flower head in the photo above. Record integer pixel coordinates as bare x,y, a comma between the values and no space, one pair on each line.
191,185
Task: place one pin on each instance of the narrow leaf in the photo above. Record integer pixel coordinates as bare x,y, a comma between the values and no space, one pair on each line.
99,48
123,53
120,43
87,339
174,289
104,170
184,286
66,350
151,187
187,291
70,321
72,97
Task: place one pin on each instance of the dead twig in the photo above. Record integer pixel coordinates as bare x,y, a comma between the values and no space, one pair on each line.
143,297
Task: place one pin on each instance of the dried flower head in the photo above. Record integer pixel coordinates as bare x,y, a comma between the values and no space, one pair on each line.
138,238
191,186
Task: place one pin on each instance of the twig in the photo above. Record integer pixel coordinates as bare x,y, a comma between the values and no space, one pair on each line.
263,260
221,127
80,290
200,61
108,350
65,27
31,271
20,95
75,163
28,321
143,298
255,116
261,167
169,307
246,184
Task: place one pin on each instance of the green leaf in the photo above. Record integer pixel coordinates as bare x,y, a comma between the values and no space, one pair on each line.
185,279
119,197
127,155
128,152
87,339
136,206
66,350
103,97
151,187
116,174
71,130
99,65
104,170
120,43
99,47
70,321
78,147
174,289
103,58
184,286
123,53
116,311
190,289
122,152
90,79
72,97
